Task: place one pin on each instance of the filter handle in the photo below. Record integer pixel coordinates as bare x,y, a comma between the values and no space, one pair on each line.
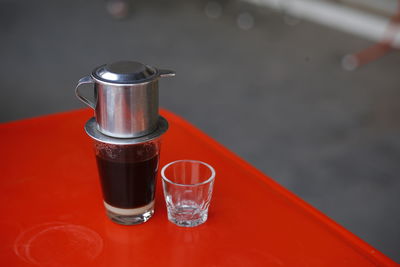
85,80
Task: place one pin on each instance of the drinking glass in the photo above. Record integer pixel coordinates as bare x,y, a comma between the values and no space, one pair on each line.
128,179
188,186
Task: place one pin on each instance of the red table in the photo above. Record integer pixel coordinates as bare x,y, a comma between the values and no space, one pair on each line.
52,212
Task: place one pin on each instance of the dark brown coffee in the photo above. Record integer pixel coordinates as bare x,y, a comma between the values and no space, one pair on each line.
126,182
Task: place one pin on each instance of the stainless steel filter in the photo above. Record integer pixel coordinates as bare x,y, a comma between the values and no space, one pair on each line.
125,98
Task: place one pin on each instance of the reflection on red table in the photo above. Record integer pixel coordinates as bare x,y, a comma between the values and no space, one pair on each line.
52,212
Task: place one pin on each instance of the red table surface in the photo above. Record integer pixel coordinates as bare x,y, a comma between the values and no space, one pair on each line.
52,212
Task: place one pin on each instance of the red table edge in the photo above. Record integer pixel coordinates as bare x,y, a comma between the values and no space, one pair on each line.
357,243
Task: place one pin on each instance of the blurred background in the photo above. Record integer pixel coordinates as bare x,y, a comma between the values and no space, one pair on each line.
307,91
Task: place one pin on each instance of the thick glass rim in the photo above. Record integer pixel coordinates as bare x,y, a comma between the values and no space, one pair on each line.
188,160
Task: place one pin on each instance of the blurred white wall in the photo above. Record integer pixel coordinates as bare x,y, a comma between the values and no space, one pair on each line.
384,7
351,19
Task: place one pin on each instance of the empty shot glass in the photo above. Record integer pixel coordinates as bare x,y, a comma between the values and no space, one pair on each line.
188,186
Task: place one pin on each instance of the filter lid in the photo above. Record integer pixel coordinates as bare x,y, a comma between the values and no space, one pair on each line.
125,72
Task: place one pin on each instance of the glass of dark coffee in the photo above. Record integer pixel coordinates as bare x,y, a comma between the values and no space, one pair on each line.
128,179
126,129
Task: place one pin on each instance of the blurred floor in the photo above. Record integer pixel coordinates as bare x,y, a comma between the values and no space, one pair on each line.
275,94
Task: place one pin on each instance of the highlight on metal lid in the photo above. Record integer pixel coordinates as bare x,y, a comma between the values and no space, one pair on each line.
128,72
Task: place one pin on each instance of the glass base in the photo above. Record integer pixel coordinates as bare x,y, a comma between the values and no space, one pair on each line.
130,216
184,222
